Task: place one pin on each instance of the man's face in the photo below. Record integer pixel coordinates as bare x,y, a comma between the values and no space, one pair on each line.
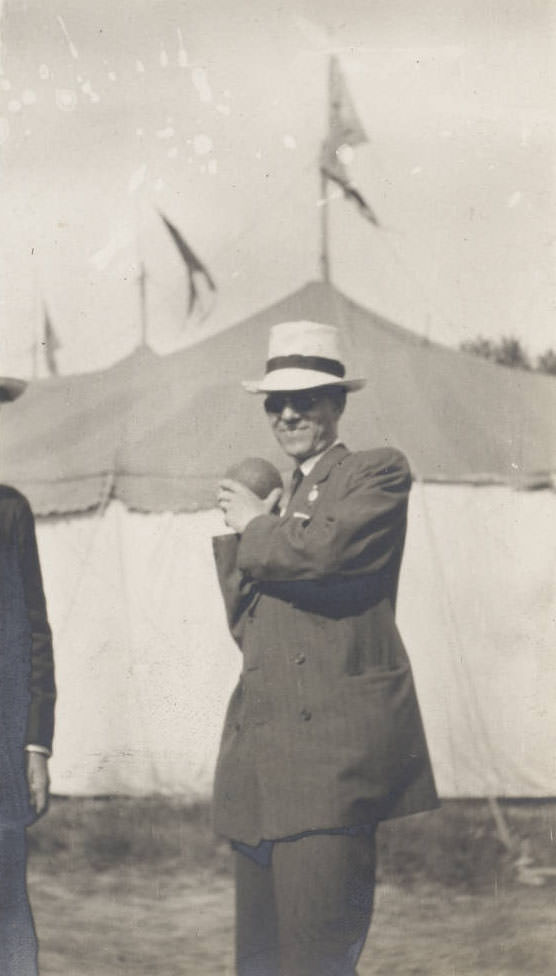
304,422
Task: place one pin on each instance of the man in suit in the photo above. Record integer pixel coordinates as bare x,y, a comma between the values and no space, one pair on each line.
27,695
323,737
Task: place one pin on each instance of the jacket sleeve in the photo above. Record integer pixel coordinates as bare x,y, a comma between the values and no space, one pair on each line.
354,530
237,590
40,722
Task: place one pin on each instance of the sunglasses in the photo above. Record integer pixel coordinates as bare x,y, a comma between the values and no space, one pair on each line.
302,402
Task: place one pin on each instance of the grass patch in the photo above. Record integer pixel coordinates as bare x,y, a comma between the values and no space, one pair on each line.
457,846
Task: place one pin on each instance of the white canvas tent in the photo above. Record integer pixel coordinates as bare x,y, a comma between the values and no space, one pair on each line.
120,467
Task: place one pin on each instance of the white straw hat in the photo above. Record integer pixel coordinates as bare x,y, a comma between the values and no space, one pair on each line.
301,356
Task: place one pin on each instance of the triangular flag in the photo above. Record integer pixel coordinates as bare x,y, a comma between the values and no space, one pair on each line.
193,264
50,343
345,130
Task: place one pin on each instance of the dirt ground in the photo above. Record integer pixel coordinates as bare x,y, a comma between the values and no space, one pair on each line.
120,889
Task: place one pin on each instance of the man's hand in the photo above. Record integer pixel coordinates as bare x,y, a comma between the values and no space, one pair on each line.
38,780
240,505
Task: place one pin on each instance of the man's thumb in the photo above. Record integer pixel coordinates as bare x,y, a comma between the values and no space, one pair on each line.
272,499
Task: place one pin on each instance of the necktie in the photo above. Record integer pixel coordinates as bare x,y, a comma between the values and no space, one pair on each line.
297,478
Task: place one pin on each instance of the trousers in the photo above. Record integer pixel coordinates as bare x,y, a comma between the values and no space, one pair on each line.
18,943
307,911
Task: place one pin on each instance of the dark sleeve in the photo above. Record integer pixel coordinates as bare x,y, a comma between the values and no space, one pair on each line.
356,527
40,723
237,591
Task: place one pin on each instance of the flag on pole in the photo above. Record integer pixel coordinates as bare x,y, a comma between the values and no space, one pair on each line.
193,264
344,132
50,343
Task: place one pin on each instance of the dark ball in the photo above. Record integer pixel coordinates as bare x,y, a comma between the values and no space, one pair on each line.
258,475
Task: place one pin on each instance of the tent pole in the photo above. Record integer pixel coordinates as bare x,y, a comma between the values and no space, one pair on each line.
325,215
143,302
501,825
324,227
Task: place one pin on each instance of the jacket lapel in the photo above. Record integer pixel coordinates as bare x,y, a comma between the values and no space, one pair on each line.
308,491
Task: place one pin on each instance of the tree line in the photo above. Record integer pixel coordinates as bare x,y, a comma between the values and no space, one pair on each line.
508,351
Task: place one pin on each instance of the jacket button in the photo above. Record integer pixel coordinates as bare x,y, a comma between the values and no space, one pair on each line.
299,659
305,714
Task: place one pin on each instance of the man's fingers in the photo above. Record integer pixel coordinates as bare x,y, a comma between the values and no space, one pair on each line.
230,485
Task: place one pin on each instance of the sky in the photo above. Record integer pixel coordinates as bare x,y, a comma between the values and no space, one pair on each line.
213,113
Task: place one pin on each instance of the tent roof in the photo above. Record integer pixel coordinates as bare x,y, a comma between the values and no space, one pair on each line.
157,432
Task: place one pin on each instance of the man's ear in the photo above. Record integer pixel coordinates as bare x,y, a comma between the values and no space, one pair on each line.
340,404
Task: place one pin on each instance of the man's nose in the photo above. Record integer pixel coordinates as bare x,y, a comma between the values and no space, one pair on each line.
289,412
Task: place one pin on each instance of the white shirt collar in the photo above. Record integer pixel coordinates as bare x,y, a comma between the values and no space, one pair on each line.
308,464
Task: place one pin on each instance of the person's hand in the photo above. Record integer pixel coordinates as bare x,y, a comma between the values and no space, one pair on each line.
241,506
38,781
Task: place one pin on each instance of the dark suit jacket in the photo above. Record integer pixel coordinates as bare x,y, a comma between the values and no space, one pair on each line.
27,690
323,729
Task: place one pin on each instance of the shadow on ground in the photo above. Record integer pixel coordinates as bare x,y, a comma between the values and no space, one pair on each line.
125,886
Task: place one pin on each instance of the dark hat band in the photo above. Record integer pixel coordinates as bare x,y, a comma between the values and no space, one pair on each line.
319,363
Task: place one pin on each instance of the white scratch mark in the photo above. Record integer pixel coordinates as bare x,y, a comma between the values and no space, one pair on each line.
163,57
137,178
213,167
416,170
159,185
515,199
112,76
223,109
258,154
200,81
121,238
345,154
289,142
139,67
66,99
202,144
182,53
140,133
87,89
332,195
167,133
44,72
71,45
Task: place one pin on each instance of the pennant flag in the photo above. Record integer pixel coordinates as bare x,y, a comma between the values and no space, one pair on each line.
50,343
193,264
345,131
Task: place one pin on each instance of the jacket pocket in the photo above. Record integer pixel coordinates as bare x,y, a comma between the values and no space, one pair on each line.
379,730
